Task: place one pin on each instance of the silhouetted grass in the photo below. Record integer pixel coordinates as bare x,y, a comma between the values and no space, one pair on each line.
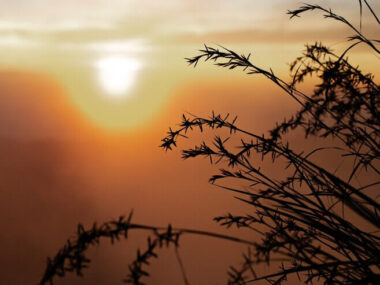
72,258
295,216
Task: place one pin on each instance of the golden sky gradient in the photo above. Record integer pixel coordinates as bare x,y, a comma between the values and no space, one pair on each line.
74,150
67,40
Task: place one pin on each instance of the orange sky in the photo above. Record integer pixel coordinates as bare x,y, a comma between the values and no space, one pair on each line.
73,152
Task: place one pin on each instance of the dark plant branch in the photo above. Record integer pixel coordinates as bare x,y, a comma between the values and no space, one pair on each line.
297,211
72,258
329,14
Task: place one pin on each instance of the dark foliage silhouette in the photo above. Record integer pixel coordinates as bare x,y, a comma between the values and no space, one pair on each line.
72,258
317,224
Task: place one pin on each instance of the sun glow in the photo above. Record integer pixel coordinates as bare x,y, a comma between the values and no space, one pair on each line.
117,74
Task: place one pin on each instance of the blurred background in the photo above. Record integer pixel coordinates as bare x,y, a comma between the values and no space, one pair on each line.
87,91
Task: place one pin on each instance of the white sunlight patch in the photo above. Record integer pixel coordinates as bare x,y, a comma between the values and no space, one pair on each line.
117,74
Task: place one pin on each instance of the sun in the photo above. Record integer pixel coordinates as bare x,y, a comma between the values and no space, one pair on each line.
117,74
